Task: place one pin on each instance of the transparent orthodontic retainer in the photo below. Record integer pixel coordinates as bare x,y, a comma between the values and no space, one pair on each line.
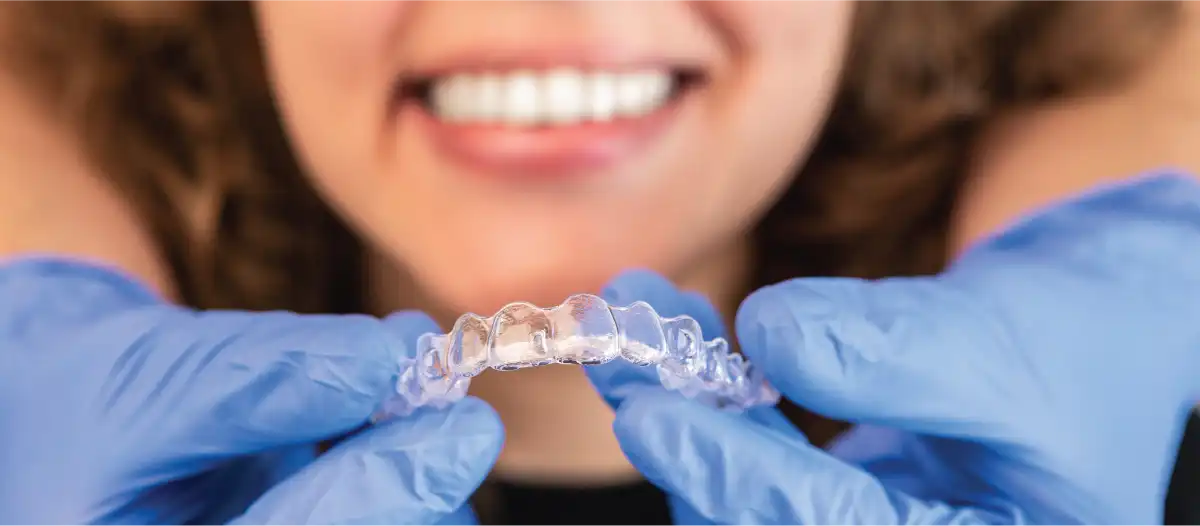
583,330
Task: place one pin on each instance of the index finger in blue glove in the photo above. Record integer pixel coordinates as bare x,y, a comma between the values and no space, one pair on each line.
238,382
414,470
734,472
908,352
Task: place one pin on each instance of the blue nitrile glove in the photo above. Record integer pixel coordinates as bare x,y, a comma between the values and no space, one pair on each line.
619,379
1044,378
117,407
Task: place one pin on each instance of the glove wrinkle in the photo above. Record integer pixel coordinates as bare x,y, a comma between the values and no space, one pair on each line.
414,470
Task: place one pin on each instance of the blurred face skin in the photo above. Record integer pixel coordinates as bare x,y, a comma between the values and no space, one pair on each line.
526,151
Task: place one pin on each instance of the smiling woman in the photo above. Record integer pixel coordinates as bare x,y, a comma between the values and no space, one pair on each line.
458,156
920,79
530,194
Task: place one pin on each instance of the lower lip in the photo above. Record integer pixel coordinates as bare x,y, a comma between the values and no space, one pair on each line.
550,152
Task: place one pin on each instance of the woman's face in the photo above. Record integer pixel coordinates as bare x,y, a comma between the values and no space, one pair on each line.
505,151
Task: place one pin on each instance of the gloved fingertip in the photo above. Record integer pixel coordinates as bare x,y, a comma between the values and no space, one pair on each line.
758,314
760,310
635,285
408,325
705,313
771,322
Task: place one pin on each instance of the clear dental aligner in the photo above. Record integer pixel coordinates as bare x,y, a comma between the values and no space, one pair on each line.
583,330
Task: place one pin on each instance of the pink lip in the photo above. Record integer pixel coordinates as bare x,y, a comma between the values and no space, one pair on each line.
551,152
546,57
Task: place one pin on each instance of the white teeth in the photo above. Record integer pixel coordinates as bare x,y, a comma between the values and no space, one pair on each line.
488,93
563,97
602,97
522,99
555,97
634,95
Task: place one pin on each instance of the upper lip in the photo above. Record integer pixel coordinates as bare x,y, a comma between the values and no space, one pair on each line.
547,57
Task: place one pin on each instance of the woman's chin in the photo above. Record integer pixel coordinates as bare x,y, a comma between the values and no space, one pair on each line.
486,292
487,300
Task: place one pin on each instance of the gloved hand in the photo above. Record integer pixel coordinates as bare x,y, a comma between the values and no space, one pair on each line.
1045,377
116,407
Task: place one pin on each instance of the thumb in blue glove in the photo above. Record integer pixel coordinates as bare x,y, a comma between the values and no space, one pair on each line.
114,404
1044,378
416,470
620,380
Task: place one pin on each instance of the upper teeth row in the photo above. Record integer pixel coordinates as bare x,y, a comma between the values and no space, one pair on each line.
555,97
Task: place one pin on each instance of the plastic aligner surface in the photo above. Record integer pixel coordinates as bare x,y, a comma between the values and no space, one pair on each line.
583,330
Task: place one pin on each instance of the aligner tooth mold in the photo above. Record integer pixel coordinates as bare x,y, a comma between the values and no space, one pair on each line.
583,330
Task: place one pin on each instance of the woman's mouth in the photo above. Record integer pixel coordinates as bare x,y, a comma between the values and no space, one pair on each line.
552,98
553,122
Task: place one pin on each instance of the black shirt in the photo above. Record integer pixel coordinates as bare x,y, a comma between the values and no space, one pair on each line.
644,504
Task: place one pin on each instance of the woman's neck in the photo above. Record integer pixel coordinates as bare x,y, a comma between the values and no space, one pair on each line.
559,431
